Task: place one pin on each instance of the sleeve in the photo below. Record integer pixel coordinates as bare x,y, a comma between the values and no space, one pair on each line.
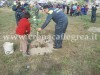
48,19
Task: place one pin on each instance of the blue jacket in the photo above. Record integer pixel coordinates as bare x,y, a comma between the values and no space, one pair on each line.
18,11
56,15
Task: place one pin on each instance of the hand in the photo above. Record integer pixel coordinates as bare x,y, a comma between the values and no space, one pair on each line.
39,29
26,33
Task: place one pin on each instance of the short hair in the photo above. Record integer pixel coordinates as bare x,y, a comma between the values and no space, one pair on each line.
26,15
46,6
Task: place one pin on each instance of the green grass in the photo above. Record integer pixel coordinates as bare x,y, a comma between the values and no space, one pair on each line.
75,58
86,20
98,37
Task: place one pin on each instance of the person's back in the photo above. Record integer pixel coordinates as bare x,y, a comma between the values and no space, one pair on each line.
82,10
93,15
18,11
74,7
94,10
22,26
58,15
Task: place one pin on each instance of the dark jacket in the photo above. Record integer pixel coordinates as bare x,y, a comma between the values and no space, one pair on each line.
56,15
94,9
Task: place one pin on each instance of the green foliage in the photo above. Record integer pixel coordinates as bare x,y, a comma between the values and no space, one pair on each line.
49,2
35,20
98,37
81,2
86,21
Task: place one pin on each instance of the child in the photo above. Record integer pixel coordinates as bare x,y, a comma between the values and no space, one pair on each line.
22,30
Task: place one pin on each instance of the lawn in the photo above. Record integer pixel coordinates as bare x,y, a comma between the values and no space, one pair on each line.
77,57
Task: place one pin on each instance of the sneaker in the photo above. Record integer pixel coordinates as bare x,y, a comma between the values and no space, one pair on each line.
25,54
57,47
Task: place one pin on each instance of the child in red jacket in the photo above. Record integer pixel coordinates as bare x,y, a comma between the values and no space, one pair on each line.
22,30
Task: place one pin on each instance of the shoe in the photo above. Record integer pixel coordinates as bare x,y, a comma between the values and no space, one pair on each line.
57,47
21,50
25,54
54,45
28,53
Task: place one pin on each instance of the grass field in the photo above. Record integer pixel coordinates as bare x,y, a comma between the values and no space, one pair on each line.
77,57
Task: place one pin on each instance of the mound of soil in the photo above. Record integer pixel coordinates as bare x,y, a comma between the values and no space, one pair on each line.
40,47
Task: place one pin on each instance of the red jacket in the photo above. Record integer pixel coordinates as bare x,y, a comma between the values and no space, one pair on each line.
23,27
78,8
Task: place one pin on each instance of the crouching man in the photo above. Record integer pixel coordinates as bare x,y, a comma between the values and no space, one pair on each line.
61,24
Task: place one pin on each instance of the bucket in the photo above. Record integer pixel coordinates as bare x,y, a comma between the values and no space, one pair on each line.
8,48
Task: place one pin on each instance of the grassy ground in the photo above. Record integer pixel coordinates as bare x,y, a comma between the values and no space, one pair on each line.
77,57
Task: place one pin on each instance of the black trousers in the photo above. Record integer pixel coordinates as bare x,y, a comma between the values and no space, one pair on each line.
60,29
67,11
93,18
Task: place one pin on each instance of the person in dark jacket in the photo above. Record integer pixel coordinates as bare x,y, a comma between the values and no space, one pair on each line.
93,15
71,10
68,8
61,21
18,11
